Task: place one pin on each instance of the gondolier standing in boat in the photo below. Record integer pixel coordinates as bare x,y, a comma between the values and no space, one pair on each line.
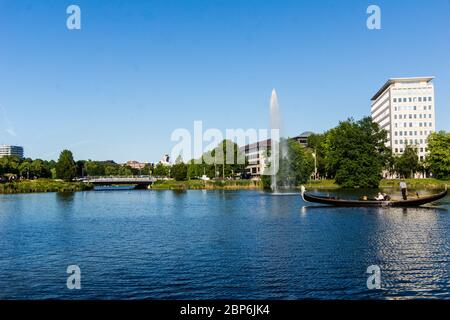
403,187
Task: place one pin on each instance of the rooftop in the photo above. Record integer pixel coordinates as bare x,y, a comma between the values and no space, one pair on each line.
395,80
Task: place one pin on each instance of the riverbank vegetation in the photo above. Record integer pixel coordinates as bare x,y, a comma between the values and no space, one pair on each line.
353,154
43,185
207,185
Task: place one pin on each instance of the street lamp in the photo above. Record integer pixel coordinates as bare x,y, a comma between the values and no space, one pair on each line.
315,164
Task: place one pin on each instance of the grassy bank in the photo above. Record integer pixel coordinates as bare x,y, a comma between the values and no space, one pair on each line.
312,184
416,183
387,183
49,185
42,185
206,185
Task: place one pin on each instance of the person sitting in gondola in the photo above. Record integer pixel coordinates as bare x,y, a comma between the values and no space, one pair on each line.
386,197
379,197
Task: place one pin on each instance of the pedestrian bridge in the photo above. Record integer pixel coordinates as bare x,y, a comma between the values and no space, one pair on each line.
141,181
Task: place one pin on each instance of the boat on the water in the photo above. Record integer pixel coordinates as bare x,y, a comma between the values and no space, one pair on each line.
334,201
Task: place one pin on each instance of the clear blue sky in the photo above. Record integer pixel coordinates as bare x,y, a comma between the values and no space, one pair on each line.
117,88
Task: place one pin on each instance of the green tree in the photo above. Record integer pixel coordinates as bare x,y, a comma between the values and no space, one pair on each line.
10,165
408,163
25,169
316,145
179,170
294,169
438,158
229,160
355,153
161,170
65,167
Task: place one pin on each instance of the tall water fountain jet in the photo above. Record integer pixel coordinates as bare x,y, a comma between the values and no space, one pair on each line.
277,148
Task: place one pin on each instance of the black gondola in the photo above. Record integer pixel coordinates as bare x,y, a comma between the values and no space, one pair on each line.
413,202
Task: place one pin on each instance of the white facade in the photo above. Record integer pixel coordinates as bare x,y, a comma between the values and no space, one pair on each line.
405,108
6,150
256,155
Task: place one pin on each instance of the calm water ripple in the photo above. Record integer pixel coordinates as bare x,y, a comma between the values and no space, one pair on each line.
217,245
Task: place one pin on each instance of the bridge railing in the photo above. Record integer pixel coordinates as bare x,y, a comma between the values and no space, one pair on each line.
119,179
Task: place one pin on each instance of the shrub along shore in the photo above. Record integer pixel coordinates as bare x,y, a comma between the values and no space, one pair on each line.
49,185
207,185
42,185
386,183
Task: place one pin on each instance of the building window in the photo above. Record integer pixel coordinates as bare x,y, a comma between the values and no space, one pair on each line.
429,98
420,99
395,99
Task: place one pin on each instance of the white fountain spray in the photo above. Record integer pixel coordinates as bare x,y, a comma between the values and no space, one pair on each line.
277,148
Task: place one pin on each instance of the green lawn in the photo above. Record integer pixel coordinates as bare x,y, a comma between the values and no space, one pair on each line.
387,183
211,184
42,185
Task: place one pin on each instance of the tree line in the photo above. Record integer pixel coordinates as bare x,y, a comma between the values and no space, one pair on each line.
354,154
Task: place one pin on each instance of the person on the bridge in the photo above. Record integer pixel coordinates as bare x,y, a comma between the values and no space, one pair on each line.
403,187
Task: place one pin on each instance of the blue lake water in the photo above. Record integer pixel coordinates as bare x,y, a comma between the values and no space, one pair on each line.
217,245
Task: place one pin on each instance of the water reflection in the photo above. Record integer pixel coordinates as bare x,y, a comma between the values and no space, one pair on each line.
218,245
409,242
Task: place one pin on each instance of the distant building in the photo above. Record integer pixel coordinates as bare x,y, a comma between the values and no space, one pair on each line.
256,154
404,107
136,165
303,138
6,150
165,160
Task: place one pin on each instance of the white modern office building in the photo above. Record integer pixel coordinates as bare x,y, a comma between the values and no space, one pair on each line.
405,108
6,150
256,154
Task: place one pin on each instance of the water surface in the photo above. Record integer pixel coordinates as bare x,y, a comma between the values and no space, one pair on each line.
217,245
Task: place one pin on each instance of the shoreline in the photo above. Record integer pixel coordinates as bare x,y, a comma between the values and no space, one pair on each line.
49,185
